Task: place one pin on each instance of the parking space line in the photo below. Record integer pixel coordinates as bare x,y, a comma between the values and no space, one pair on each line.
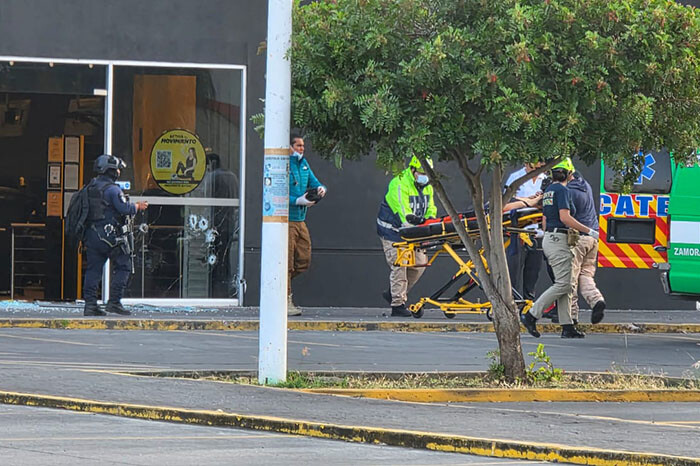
159,437
583,416
48,340
249,337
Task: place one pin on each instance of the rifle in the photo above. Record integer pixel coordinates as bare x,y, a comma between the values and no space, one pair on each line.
125,239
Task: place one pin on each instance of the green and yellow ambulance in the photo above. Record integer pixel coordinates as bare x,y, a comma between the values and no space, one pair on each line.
657,224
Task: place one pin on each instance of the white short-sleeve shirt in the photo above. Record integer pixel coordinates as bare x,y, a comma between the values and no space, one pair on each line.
530,187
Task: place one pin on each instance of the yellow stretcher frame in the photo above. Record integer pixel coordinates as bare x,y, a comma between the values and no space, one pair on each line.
444,242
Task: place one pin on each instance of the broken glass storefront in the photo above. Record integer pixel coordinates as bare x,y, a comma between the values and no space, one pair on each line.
179,132
178,127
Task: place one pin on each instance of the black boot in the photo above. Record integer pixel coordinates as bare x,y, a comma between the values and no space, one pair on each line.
598,312
117,308
400,311
530,323
569,331
92,309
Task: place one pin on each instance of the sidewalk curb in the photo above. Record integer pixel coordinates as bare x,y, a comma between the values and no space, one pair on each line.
496,395
358,434
322,326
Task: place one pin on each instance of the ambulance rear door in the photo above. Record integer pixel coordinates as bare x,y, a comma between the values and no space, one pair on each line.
634,227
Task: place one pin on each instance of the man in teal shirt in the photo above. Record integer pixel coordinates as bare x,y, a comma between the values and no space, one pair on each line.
408,201
304,191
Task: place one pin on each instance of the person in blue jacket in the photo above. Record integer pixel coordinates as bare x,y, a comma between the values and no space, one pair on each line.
105,237
586,251
304,191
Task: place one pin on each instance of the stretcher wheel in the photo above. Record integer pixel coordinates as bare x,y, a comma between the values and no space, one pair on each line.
489,314
416,310
450,315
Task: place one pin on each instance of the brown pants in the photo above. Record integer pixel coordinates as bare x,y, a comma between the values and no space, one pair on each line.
299,258
402,279
582,273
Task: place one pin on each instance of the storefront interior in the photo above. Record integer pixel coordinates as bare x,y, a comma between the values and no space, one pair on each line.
178,130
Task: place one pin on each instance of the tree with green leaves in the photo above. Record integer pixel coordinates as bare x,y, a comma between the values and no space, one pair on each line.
490,84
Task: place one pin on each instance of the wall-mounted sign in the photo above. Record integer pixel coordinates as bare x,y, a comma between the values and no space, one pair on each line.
54,176
55,150
178,161
72,149
72,176
53,204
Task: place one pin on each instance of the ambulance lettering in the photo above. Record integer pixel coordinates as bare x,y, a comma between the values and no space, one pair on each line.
633,205
695,252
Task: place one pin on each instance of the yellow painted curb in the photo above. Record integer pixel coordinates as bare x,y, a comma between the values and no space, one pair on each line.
499,448
496,395
322,326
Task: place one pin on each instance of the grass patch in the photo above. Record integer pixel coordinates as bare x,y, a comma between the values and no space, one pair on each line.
580,381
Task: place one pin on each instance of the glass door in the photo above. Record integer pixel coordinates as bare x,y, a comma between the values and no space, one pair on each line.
179,129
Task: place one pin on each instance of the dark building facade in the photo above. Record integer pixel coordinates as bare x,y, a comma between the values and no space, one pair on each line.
81,76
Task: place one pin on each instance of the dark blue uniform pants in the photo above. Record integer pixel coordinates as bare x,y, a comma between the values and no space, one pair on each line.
524,266
97,254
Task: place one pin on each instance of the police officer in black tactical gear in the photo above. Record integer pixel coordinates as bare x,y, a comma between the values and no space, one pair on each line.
107,235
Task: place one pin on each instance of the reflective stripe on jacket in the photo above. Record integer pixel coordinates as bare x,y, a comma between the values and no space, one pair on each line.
403,198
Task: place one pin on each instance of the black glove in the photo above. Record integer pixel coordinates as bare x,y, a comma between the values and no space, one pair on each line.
414,219
312,195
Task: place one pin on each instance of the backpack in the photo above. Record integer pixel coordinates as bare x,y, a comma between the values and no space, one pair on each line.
78,215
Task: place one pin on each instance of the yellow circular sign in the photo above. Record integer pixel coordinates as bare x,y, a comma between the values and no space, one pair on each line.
178,161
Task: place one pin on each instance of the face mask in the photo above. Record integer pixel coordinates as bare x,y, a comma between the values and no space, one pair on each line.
422,179
297,155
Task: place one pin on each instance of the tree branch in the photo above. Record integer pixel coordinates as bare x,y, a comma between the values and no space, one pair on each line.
469,244
513,187
476,189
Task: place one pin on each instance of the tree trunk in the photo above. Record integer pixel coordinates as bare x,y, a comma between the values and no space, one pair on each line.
495,282
506,318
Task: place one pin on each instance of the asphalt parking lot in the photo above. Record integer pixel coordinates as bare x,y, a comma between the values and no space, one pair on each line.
56,437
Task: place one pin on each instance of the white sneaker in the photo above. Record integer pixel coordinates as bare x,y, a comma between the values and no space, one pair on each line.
292,310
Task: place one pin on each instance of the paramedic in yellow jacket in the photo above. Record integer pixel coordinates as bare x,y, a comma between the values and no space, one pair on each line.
408,201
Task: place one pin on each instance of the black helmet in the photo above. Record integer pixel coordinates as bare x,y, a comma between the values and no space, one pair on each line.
106,162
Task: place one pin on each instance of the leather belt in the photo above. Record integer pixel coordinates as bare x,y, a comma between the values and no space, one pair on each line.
563,230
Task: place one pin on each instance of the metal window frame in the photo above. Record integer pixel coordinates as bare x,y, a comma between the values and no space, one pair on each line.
109,96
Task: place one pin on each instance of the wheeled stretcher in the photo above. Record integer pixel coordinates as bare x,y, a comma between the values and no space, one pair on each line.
438,236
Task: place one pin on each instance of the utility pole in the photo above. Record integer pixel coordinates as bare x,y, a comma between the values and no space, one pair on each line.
272,357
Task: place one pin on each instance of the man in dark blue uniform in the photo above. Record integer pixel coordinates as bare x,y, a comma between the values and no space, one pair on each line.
106,236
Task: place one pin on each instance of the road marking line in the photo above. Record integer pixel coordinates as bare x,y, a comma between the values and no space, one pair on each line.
38,362
167,437
246,337
574,415
680,423
48,340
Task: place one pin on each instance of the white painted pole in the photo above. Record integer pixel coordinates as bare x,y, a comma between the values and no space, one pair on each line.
109,117
272,358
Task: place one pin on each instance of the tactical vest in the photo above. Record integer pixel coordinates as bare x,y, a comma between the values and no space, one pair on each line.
97,202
